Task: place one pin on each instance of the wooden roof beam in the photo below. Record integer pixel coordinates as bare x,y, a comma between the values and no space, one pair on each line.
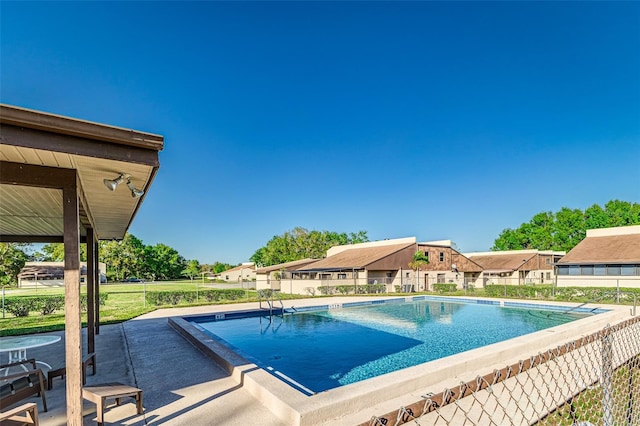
70,144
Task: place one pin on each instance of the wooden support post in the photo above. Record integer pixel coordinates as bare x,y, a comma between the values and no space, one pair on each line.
96,289
91,279
73,324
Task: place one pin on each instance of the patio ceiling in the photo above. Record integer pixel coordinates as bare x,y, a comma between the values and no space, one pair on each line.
35,147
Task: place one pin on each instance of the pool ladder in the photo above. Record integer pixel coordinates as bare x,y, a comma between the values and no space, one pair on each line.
267,295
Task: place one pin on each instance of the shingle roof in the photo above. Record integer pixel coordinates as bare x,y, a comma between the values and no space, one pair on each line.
47,271
609,249
511,262
293,265
356,257
239,268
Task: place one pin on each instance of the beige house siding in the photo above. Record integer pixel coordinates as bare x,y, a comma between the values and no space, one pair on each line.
244,272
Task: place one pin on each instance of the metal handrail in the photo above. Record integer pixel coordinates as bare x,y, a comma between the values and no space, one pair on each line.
605,294
277,293
261,294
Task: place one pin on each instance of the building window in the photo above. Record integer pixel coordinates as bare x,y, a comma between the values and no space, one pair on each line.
426,255
586,270
440,279
548,276
599,270
627,270
548,261
613,269
574,270
563,270
441,256
342,276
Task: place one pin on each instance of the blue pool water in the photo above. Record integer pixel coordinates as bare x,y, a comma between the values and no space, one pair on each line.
320,350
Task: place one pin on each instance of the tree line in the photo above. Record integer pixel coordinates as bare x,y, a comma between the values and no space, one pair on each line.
564,229
130,257
127,258
300,243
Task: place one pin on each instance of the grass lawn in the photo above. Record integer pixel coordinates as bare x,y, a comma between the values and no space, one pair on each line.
124,301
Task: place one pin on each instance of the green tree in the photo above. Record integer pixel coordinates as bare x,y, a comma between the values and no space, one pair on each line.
541,230
622,213
299,243
12,260
54,252
124,258
566,228
192,269
420,259
163,262
595,217
218,267
130,257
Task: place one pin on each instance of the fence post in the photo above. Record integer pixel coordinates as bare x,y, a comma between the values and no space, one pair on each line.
2,301
630,364
607,379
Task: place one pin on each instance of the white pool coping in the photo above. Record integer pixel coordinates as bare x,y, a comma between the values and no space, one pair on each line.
359,401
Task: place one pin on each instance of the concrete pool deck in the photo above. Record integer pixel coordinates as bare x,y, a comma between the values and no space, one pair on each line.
182,385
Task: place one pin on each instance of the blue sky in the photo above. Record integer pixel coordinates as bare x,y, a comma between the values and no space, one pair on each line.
440,120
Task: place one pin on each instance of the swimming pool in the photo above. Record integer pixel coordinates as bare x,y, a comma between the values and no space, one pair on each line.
320,349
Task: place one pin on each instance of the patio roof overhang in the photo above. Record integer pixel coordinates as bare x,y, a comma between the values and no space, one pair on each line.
51,190
39,151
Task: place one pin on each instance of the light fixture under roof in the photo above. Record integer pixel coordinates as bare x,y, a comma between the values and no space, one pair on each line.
135,192
112,184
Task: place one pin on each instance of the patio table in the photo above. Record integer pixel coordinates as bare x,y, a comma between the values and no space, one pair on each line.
17,347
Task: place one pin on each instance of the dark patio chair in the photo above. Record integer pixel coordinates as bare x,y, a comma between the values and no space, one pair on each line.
61,371
15,387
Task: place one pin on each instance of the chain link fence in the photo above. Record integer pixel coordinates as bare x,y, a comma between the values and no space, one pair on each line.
594,380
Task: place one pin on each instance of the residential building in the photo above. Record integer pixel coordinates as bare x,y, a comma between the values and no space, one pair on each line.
351,265
240,273
607,257
381,265
516,267
378,262
51,274
446,265
275,276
